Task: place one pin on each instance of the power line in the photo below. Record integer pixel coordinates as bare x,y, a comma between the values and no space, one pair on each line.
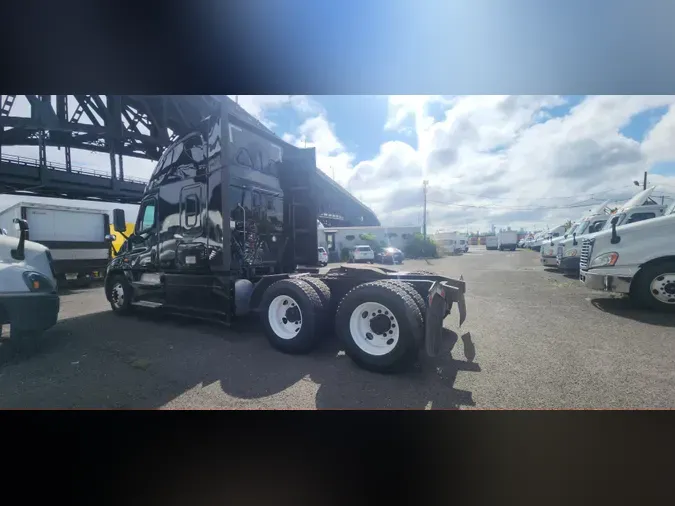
541,208
600,192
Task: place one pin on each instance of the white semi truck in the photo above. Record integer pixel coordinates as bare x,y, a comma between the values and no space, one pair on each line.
29,302
636,259
556,249
545,237
639,208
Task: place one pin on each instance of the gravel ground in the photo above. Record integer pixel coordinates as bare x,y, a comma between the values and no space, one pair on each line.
532,339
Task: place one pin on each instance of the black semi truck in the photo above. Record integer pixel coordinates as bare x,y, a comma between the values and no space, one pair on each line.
227,226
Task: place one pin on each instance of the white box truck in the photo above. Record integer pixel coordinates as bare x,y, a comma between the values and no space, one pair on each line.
75,236
636,259
491,242
507,239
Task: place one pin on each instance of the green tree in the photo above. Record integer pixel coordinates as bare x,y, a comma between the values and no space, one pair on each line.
418,247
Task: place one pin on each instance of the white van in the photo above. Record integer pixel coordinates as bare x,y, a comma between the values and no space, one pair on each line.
491,242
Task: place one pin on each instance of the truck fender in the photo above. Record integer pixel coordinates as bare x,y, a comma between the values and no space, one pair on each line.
260,287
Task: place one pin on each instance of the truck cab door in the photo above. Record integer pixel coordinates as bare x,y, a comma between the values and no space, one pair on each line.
143,244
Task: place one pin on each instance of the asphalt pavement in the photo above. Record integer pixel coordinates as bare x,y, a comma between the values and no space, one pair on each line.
533,339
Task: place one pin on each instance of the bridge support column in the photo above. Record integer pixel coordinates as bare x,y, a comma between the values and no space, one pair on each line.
62,114
42,149
119,159
113,170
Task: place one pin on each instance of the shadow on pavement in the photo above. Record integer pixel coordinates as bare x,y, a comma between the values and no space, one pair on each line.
145,361
623,307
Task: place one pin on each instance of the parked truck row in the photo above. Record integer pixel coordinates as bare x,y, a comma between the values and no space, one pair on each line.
628,250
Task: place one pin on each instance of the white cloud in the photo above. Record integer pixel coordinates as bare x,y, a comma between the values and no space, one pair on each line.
506,155
331,155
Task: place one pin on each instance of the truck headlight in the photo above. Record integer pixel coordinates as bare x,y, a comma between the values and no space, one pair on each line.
605,260
571,253
37,282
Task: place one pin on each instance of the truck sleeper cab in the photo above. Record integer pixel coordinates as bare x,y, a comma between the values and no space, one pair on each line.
227,226
636,259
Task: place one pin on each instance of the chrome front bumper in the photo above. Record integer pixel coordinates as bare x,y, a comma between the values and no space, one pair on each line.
548,261
605,282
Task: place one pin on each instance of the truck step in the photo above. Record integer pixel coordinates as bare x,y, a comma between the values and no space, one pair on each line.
147,303
146,285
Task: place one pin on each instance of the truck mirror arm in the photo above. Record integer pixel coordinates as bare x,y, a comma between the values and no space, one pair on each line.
574,239
616,239
19,252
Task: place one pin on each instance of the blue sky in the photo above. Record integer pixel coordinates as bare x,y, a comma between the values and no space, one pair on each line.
358,122
521,158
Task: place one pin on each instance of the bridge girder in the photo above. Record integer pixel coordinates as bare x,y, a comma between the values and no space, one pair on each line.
139,126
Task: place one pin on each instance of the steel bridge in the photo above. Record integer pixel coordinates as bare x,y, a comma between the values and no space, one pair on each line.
139,126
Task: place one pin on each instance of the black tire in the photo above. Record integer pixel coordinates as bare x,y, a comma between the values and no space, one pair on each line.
641,291
422,273
311,309
415,295
403,310
112,293
321,289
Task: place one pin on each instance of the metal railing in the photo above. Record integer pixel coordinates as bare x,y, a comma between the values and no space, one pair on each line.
61,167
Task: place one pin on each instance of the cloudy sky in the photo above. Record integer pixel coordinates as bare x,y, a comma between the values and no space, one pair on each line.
526,161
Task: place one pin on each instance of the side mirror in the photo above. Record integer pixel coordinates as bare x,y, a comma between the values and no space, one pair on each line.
574,239
119,221
615,237
19,252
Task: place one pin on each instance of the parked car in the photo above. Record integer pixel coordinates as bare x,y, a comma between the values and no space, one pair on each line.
323,256
362,254
389,256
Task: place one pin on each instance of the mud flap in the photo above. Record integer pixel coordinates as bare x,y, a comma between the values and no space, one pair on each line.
436,312
440,301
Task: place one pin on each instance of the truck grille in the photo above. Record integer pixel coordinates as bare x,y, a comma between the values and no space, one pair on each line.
586,250
559,253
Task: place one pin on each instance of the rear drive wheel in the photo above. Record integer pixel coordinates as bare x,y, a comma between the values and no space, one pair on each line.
655,287
380,326
414,295
119,294
422,273
290,312
327,317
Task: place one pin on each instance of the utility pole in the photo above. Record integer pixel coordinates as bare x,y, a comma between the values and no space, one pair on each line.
425,184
